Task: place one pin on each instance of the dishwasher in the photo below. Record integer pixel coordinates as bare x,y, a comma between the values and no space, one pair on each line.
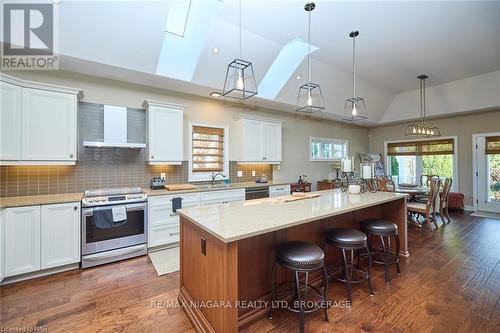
256,192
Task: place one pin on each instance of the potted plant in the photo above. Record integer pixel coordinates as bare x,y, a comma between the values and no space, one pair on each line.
495,188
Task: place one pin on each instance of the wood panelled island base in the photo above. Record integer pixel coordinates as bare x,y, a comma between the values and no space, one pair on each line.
227,251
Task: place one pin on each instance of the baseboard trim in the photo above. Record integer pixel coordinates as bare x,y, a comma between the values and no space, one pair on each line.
37,274
469,208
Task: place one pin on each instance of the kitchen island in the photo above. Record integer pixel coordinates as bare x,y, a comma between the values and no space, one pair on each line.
227,251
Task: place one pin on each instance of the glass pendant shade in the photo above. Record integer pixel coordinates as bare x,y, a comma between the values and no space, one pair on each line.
310,98
421,129
355,106
240,80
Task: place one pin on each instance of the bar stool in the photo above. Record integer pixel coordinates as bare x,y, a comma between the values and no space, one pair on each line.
347,239
383,229
301,257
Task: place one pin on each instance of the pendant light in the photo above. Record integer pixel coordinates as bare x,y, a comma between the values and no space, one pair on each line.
310,98
355,105
240,78
420,128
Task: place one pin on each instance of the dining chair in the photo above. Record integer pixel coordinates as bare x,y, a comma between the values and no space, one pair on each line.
425,180
443,201
428,209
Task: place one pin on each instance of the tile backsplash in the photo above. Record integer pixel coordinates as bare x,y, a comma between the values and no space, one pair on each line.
104,167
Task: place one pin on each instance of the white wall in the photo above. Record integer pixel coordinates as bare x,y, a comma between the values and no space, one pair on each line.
473,93
296,129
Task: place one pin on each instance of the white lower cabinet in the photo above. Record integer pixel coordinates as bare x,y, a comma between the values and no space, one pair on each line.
40,237
163,222
60,238
22,240
2,248
220,197
279,190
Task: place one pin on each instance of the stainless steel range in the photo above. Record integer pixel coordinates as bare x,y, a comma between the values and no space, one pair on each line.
114,225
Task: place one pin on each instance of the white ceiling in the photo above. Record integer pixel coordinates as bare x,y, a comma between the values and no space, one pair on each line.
398,40
448,40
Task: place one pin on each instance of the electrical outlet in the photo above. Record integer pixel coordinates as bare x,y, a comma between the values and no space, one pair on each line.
253,173
239,173
163,175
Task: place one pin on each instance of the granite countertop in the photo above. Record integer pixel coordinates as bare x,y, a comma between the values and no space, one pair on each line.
74,197
238,220
39,200
231,186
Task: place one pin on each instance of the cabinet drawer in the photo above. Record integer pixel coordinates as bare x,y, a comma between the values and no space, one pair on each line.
188,199
225,196
164,234
279,190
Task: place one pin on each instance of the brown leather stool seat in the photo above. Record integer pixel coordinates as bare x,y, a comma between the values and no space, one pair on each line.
379,227
301,258
346,238
299,255
349,241
383,255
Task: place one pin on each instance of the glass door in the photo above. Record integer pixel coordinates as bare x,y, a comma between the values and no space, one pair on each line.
488,173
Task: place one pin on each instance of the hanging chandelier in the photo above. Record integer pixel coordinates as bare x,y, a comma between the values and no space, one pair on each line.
240,78
420,128
355,105
310,98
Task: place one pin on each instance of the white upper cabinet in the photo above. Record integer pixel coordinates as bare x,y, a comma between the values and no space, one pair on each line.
165,124
60,237
272,141
252,141
48,126
10,121
38,123
260,139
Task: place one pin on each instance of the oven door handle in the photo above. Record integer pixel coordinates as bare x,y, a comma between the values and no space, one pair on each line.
130,208
113,253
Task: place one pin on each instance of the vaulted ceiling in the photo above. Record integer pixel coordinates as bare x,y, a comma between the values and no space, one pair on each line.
448,40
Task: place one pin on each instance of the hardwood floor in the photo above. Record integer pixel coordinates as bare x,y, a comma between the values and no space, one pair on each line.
450,283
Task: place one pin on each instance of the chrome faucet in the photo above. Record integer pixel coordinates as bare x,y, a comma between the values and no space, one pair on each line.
214,175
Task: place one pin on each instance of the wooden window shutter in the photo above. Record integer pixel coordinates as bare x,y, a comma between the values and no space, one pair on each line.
492,145
418,148
208,149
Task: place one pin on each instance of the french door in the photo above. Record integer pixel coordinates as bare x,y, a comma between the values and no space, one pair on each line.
488,173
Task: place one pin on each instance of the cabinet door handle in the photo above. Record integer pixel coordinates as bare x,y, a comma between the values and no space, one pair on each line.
152,157
71,155
75,208
174,233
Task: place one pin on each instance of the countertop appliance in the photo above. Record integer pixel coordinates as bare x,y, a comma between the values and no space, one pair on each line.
114,225
256,192
157,183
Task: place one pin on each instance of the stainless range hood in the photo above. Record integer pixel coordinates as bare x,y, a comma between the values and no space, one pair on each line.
115,130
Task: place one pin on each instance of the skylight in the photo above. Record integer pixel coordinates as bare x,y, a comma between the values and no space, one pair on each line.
283,67
180,53
178,14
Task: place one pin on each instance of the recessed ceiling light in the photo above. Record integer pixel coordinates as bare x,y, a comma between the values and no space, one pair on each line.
215,50
215,94
298,77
